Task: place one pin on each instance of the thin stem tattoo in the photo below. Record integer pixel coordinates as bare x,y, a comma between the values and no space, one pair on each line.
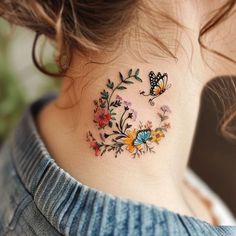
159,84
121,135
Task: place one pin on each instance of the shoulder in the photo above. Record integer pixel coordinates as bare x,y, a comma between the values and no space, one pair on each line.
19,214
218,209
12,193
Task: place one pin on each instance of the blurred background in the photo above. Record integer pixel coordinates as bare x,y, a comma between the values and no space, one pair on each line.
213,158
20,81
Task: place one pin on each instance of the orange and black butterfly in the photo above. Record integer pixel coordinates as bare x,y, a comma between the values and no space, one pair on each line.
159,84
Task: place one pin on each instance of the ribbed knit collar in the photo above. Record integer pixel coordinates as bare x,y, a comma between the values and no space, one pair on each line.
76,209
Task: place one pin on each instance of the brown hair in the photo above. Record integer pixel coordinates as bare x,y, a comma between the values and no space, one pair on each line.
225,97
88,25
83,25
92,25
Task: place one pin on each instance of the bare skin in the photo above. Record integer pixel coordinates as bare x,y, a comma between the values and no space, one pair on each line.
155,178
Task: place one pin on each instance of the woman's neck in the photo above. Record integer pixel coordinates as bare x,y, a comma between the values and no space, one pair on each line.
73,128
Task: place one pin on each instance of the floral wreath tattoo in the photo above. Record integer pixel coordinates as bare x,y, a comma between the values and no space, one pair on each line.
120,134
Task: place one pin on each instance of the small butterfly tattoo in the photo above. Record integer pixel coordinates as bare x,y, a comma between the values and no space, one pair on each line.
142,137
159,84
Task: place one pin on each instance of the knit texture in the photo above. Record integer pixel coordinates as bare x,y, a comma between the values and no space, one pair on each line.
72,208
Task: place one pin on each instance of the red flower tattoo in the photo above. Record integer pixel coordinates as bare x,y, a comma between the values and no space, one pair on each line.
102,117
96,148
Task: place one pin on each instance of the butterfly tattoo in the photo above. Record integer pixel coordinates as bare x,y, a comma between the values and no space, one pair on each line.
142,137
159,84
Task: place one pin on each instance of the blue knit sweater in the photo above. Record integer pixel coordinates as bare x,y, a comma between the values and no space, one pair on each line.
39,198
